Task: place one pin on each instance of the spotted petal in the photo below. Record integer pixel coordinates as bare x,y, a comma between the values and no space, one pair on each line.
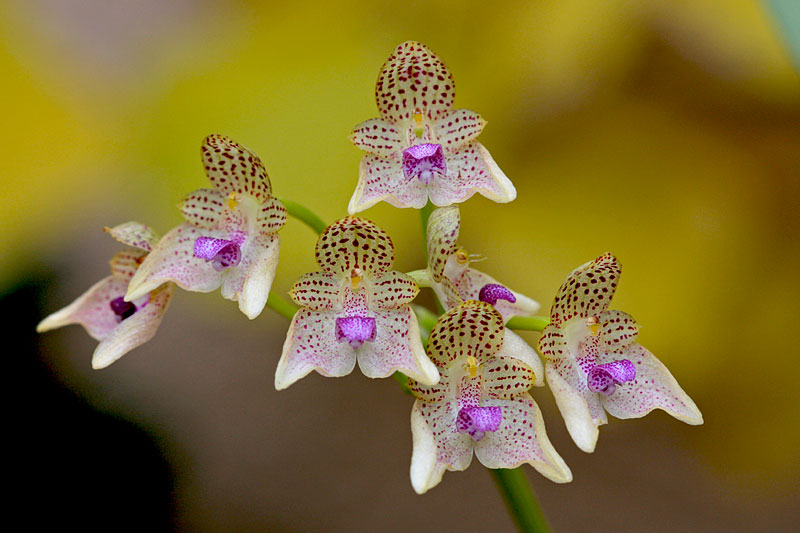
318,291
469,283
232,168
250,281
437,444
443,227
458,129
617,329
653,388
587,291
506,378
397,347
381,179
473,329
354,242
391,290
515,347
413,80
520,439
378,137
134,234
271,216
173,259
91,310
125,263
311,344
134,330
432,393
471,170
205,208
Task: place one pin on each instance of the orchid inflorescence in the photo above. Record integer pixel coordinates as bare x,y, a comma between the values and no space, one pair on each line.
471,376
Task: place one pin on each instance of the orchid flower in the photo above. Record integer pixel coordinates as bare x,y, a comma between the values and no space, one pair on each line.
354,309
594,364
421,148
453,280
229,238
481,402
120,326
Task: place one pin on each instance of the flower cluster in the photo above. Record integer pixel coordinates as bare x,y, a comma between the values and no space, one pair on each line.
473,382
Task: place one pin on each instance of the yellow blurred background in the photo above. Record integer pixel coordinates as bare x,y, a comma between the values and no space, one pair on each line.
665,131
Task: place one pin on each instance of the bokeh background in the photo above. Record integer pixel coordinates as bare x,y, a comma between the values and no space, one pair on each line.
664,131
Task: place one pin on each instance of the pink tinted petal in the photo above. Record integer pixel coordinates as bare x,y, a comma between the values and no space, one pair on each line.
271,216
318,291
443,228
134,330
437,444
653,388
354,243
507,378
232,168
134,234
521,438
469,283
91,310
173,259
468,172
249,283
205,208
473,329
392,290
617,329
377,137
458,129
414,80
397,347
470,389
580,408
125,263
381,179
587,291
311,345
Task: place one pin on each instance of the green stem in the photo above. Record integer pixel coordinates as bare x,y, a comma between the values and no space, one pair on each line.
284,308
424,215
520,500
304,214
530,323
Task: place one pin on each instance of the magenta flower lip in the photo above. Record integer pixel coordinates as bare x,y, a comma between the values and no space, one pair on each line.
355,330
422,161
222,253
